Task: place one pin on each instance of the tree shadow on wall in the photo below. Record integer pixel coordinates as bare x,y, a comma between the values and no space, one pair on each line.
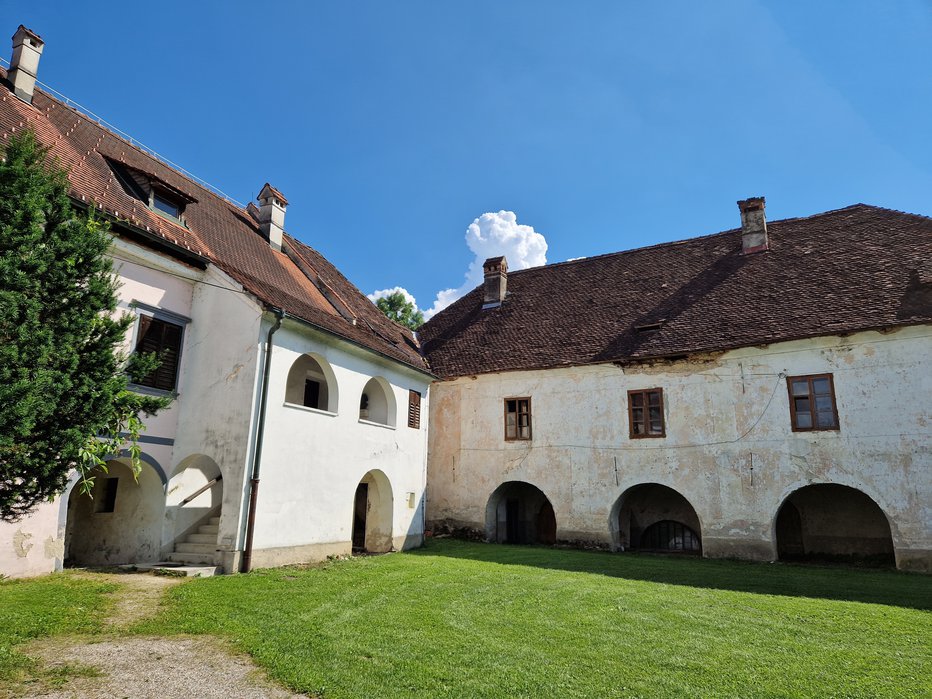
890,587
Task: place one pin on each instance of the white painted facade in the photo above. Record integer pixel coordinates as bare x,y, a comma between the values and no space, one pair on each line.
729,448
312,461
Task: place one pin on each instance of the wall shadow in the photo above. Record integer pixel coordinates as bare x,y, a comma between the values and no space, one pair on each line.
890,587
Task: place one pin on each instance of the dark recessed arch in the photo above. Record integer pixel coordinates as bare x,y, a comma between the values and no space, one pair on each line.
520,513
828,522
655,517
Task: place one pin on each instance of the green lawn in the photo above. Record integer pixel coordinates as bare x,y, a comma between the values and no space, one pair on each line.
470,620
47,606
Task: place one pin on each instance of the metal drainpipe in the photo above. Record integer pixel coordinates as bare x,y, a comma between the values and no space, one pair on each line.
260,433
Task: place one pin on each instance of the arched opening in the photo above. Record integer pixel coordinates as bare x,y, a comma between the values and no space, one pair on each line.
311,384
193,510
120,521
828,522
520,513
377,402
372,514
653,517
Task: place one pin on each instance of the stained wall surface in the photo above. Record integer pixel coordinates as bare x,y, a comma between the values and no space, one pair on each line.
729,448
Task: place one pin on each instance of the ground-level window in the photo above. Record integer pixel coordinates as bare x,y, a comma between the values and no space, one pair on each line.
669,536
414,409
645,413
812,403
163,338
517,418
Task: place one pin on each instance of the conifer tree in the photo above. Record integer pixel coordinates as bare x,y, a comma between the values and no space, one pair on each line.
63,381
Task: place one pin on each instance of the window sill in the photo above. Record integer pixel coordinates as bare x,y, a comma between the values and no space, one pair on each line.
376,424
306,409
149,391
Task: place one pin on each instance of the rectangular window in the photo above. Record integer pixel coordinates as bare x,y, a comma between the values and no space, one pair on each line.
165,206
414,410
517,419
645,413
164,339
812,403
107,495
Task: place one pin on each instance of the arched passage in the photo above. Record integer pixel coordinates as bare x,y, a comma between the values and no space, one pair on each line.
377,402
654,517
828,522
312,384
195,494
120,521
372,514
520,513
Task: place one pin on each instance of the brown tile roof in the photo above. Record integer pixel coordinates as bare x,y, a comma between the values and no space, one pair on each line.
217,230
857,268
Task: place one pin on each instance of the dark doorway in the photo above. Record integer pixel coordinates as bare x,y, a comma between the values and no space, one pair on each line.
789,532
360,508
520,513
828,523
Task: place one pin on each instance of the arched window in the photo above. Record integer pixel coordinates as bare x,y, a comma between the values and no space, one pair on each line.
377,402
311,384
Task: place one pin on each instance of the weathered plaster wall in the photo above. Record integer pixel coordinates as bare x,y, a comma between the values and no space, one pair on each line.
215,412
729,447
313,460
154,280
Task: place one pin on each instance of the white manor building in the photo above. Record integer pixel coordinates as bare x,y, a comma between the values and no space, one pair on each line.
284,375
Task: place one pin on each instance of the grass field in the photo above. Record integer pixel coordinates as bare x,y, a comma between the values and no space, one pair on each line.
469,620
47,606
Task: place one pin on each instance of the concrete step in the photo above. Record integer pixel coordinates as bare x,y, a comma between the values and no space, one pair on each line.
201,538
191,547
214,520
208,529
192,558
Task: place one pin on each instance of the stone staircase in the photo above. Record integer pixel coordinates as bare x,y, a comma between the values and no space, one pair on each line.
199,549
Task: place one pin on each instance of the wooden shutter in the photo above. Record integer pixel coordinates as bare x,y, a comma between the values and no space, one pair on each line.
164,340
414,410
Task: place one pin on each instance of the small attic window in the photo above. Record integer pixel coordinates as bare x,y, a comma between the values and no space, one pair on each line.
649,327
164,205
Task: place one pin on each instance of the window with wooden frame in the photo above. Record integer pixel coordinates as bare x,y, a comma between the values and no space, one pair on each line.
812,403
414,409
517,419
162,337
645,413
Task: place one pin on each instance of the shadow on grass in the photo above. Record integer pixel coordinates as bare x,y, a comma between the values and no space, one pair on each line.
912,590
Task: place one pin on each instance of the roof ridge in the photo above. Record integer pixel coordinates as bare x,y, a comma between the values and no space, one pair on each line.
707,236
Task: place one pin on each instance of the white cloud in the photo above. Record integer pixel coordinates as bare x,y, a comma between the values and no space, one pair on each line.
490,235
382,293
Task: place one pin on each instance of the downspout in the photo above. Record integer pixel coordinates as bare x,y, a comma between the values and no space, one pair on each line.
260,433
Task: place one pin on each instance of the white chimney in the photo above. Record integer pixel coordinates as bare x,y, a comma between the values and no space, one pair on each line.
496,281
272,205
24,65
753,226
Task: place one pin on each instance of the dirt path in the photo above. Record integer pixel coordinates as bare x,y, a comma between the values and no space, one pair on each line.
137,667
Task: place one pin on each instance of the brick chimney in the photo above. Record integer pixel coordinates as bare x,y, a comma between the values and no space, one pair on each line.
753,226
272,205
24,65
496,280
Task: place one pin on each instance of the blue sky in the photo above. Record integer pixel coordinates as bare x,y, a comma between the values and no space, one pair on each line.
392,126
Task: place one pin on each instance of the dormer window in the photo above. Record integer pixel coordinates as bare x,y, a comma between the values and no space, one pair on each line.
164,199
167,206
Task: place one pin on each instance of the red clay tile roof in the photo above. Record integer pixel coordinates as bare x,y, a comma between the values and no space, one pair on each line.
217,230
843,271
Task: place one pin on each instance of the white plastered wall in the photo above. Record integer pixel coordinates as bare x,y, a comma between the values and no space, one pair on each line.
729,448
313,460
